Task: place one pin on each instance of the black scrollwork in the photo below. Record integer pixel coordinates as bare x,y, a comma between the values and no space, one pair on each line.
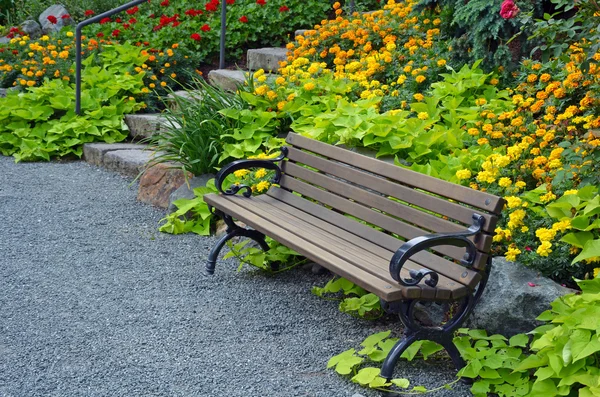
269,164
417,244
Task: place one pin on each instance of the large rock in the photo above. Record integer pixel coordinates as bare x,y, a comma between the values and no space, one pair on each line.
187,192
4,40
227,79
514,296
94,153
62,18
266,58
158,183
32,29
127,162
143,126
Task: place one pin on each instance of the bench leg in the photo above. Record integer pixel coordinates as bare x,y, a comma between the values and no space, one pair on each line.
414,331
233,230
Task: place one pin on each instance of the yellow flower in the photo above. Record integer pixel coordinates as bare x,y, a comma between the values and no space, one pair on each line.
545,234
463,174
504,182
309,86
241,173
520,185
562,225
262,185
260,173
513,201
163,84
280,81
596,272
569,192
420,79
544,248
441,62
419,97
480,101
511,253
423,116
547,197
69,34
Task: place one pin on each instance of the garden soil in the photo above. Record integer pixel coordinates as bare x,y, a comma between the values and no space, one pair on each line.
95,302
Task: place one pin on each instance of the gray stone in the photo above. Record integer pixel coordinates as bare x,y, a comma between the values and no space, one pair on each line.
4,91
31,28
192,95
57,11
127,162
509,304
266,58
227,79
300,32
187,191
94,153
145,125
4,40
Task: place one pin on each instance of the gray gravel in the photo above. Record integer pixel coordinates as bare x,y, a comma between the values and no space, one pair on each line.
95,302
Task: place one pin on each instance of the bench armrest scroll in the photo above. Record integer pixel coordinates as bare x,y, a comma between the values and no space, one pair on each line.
269,164
421,243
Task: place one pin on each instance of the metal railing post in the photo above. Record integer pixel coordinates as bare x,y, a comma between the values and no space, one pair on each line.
78,29
223,29
352,6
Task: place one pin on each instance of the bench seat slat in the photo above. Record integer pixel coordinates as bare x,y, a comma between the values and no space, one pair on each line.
366,280
376,218
378,265
338,255
345,228
372,200
485,201
393,189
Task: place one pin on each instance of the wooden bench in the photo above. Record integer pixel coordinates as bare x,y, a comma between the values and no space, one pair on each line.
447,230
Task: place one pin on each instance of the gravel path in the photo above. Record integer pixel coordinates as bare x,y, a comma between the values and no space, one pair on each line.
95,302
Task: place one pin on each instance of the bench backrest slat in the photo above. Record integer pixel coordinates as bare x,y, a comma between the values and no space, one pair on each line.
423,222
462,194
382,185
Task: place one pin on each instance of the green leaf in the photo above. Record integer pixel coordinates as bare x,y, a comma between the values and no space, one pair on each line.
590,249
401,382
520,340
577,239
374,339
366,376
533,361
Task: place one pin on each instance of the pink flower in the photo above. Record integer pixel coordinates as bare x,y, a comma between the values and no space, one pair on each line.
531,284
509,9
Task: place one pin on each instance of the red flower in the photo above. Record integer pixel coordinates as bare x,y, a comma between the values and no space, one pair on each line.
509,9
100,34
15,52
244,19
52,19
133,10
283,9
176,23
191,12
118,20
132,20
126,26
195,36
104,20
205,28
66,16
230,1
165,3
261,2
212,6
116,33
88,13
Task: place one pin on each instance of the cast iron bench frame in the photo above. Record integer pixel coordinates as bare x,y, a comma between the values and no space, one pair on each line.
440,261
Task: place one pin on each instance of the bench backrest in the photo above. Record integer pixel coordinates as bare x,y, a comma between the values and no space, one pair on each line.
399,201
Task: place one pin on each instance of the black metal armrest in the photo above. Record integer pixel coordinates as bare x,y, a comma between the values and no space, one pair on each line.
269,164
421,243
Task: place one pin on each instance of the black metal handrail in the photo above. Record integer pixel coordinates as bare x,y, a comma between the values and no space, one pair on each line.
80,26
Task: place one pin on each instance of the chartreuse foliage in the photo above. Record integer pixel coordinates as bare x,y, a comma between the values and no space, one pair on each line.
560,358
277,259
192,215
354,300
41,123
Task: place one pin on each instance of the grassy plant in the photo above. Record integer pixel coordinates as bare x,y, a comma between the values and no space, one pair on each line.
194,127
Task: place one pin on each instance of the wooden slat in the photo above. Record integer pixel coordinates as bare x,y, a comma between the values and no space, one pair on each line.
362,261
484,201
368,233
384,290
359,257
423,220
353,232
386,187
373,217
